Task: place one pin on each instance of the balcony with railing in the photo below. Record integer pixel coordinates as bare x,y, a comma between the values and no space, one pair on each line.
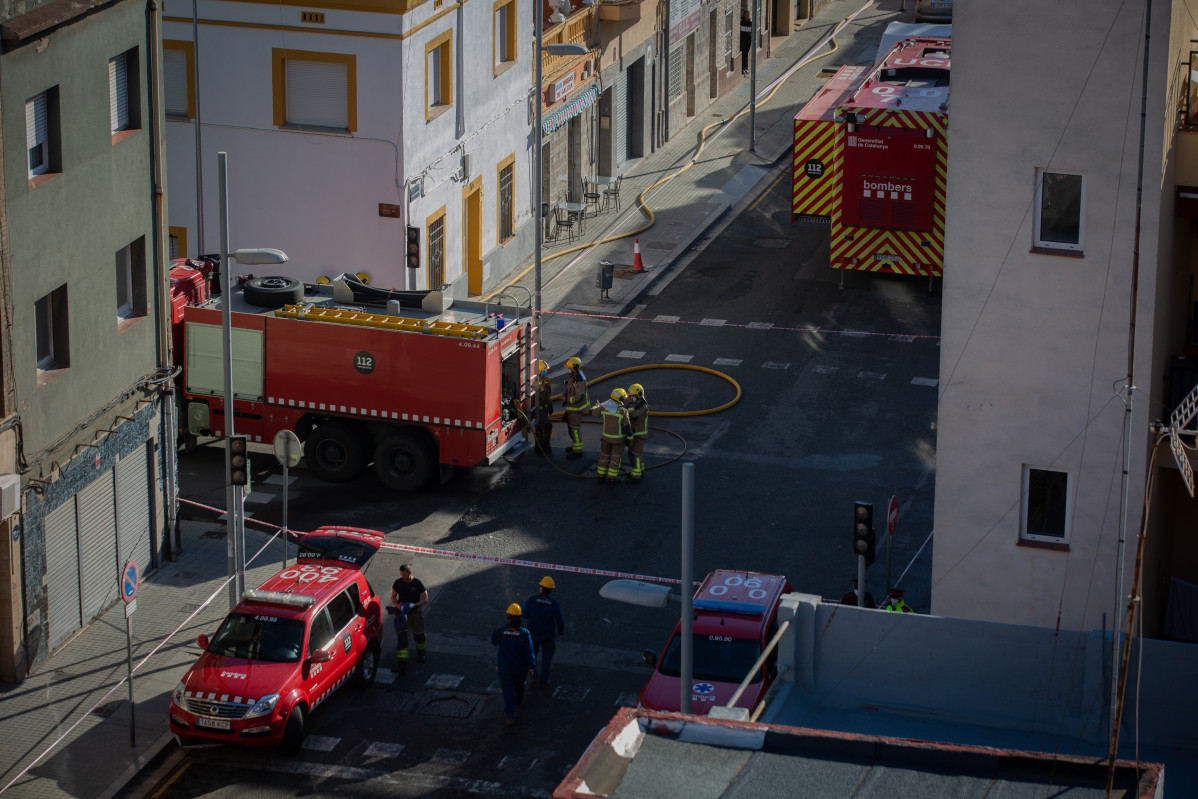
578,28
621,9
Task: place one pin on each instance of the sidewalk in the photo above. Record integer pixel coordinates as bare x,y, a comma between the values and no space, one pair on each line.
67,728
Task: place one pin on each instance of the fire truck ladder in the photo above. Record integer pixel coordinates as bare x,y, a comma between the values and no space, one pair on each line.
384,322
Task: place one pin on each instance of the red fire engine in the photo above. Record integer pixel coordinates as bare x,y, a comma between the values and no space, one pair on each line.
871,155
411,380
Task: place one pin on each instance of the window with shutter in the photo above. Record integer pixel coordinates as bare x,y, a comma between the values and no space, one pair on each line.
504,45
315,90
507,198
37,134
118,93
176,79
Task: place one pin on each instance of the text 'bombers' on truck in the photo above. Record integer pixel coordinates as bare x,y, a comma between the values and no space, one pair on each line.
871,156
414,381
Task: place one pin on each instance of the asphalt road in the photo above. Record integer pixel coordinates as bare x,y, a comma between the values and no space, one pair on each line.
838,404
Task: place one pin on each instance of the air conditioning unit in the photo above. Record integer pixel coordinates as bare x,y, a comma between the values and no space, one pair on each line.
465,166
551,93
10,495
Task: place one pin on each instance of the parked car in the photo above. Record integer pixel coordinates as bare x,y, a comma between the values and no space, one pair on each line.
736,615
285,648
934,11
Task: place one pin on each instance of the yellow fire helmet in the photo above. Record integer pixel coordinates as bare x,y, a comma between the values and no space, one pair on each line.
547,582
619,395
542,367
636,390
574,363
514,610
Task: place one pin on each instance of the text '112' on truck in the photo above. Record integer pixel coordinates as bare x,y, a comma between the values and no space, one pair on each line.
413,381
871,156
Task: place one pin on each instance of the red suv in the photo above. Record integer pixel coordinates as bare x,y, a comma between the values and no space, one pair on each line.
736,615
285,648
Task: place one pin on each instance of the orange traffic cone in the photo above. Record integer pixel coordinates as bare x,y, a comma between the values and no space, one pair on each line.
637,264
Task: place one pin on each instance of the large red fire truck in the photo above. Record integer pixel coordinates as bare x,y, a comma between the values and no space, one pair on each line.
871,154
414,381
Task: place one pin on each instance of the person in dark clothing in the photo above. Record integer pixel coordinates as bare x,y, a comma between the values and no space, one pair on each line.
408,596
516,660
545,623
746,40
851,598
544,425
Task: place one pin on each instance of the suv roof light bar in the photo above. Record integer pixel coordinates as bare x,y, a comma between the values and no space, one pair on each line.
279,598
724,606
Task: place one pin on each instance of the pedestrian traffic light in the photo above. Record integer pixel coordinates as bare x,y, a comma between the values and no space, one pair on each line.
863,530
239,461
413,254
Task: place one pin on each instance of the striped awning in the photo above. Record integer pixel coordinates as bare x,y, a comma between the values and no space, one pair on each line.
573,108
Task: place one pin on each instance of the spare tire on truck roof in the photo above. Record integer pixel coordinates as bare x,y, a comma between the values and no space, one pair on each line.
273,292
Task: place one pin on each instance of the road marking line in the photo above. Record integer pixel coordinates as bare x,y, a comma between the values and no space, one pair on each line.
825,370
320,743
727,361
666,319
633,354
760,325
383,749
931,382
452,755
713,322
879,376
903,339
444,681
775,365
679,358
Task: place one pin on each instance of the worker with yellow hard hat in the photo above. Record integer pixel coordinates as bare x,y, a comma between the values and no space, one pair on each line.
616,429
638,417
517,661
544,423
545,623
577,402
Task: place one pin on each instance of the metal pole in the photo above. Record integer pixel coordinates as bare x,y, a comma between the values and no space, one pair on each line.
753,85
860,581
231,491
538,180
688,582
286,458
195,57
129,666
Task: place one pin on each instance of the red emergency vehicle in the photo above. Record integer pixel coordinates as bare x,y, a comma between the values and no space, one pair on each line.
285,648
413,381
871,155
736,615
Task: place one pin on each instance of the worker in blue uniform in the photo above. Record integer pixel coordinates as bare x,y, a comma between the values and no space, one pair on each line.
545,623
516,660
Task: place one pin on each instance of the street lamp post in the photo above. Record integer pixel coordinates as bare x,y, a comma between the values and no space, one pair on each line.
234,495
539,201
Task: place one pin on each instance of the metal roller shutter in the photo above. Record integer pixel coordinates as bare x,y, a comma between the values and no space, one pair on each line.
97,545
133,510
118,94
205,361
317,93
174,80
622,118
62,574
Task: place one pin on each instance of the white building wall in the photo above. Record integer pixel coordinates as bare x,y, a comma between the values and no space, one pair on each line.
316,195
1034,348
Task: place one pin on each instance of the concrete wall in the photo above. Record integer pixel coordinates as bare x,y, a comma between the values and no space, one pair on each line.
1035,346
316,195
933,671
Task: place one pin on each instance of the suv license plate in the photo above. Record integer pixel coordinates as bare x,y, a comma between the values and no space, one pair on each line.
214,724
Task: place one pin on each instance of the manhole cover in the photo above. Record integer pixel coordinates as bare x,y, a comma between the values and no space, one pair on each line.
447,703
214,534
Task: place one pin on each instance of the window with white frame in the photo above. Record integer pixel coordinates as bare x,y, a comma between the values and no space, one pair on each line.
1060,210
124,101
315,90
51,330
131,280
37,133
504,45
438,74
1046,505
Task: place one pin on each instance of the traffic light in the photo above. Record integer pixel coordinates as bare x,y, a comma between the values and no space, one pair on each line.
863,530
239,461
413,254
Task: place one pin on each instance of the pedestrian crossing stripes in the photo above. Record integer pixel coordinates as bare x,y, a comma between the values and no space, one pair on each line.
775,365
931,382
667,319
713,322
444,682
679,358
383,749
634,354
670,319
727,361
320,743
458,756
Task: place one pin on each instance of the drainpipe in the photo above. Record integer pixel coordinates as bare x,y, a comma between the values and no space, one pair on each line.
162,272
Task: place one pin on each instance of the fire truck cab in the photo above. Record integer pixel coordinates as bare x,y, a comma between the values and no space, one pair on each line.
735,616
414,381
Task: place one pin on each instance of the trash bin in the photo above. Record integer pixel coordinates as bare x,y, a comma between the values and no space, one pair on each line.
604,278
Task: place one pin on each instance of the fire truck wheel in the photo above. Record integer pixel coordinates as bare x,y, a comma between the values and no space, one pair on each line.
336,452
403,462
273,292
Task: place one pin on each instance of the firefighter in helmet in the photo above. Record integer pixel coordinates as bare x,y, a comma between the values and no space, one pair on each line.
544,425
616,429
638,416
577,402
516,660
